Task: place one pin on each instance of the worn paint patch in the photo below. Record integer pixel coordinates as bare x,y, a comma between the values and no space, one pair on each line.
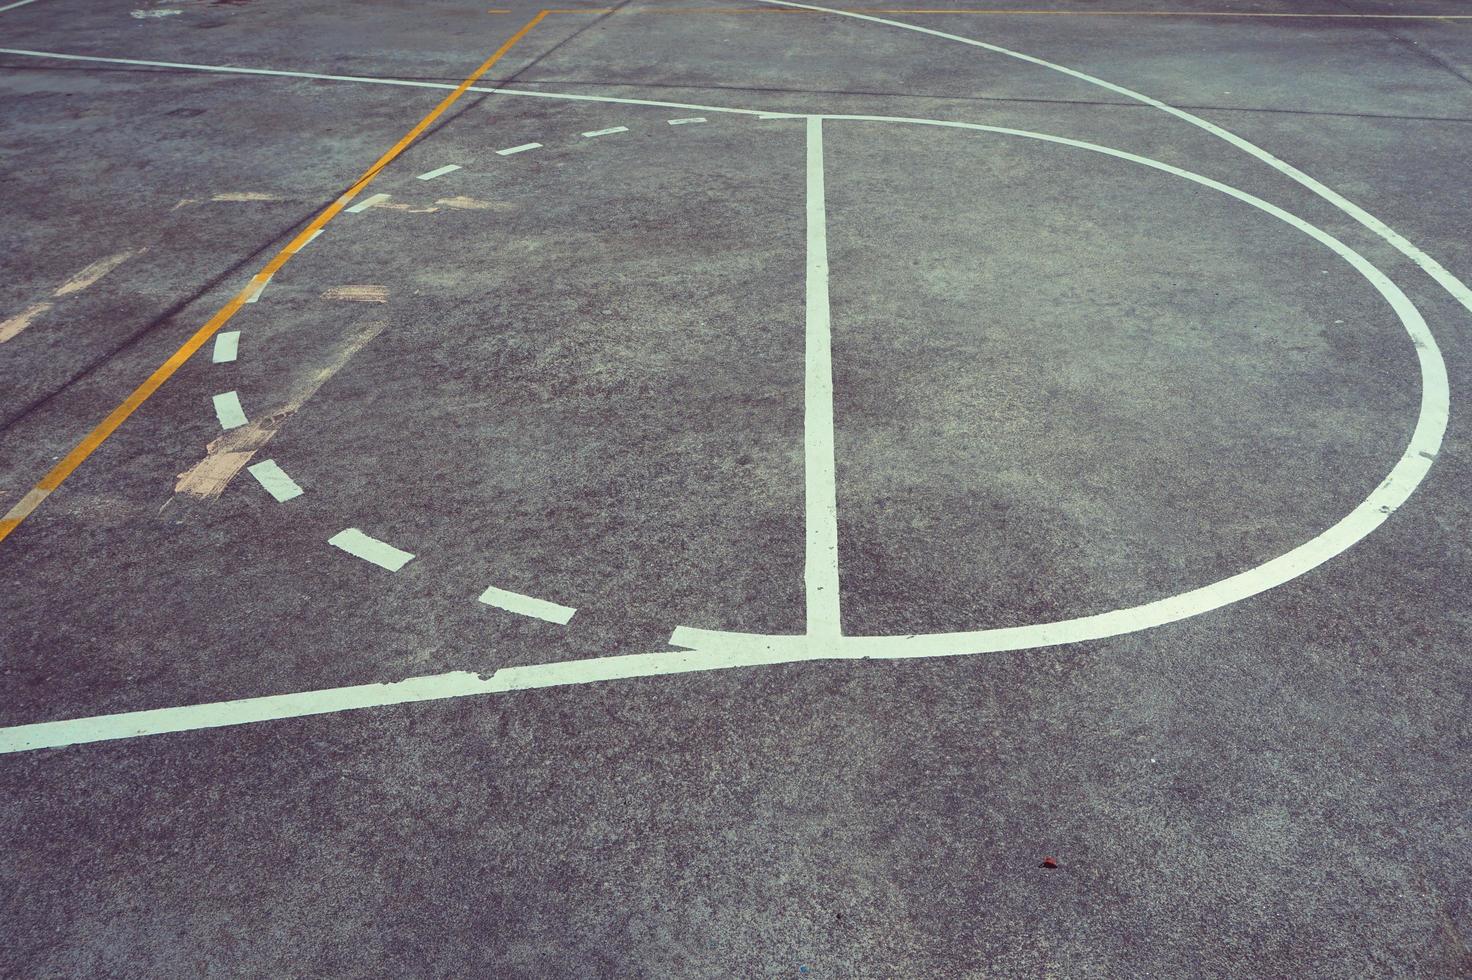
247,196
144,14
358,294
92,273
408,208
248,439
12,327
463,203
208,478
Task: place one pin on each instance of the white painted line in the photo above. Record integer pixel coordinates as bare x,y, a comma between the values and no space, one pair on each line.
131,724
228,410
366,80
448,168
779,115
688,121
820,572
1458,289
227,347
260,287
310,239
275,480
360,545
367,203
518,149
606,132
17,3
525,605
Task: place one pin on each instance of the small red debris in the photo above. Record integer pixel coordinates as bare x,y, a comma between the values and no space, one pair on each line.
1049,862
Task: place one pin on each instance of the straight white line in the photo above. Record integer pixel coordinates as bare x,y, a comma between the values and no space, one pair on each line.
380,553
227,346
821,571
525,605
367,203
260,287
228,410
12,6
448,168
518,149
687,121
606,132
275,480
366,80
131,724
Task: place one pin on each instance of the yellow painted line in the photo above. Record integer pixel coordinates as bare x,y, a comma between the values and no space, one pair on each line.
107,426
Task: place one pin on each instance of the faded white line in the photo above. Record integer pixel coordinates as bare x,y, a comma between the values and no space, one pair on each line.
448,168
525,605
606,132
228,410
94,272
260,287
366,80
17,3
820,572
367,203
309,240
227,347
275,480
688,121
518,149
370,549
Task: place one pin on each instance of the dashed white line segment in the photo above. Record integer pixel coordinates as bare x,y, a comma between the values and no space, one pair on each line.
275,480
606,132
525,605
367,203
228,410
518,149
448,168
689,120
370,549
227,347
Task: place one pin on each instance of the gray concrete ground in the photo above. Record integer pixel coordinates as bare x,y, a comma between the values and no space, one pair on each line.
1064,384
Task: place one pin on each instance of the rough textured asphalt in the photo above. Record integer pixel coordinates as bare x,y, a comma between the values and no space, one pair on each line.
1063,384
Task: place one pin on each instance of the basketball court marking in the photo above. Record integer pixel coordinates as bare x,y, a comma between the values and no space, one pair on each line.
99,434
719,650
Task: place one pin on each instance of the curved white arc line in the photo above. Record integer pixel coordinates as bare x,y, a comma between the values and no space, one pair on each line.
1458,289
1393,491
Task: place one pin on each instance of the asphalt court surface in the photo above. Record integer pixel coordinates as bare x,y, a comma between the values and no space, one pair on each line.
1085,398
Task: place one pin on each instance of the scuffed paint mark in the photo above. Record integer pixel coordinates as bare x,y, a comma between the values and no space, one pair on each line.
247,196
227,455
463,203
229,197
13,326
358,294
144,14
401,206
96,271
208,478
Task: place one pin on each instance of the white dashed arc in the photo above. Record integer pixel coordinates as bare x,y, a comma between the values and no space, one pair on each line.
706,649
